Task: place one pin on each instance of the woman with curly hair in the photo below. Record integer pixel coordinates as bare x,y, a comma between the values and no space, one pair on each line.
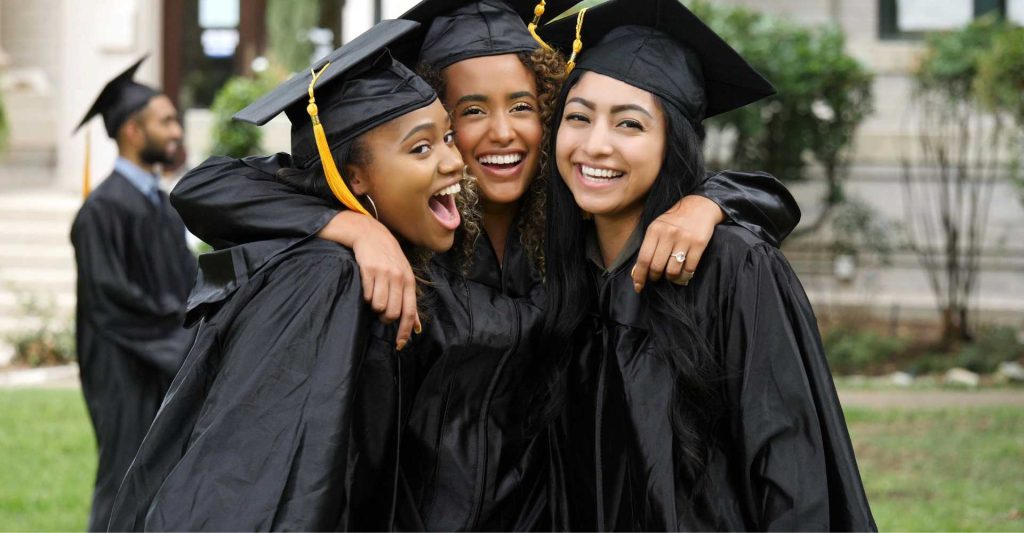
468,460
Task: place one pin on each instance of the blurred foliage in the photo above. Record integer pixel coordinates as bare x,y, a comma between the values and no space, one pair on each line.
991,346
288,26
49,341
823,95
4,131
858,227
952,59
1000,85
854,351
232,138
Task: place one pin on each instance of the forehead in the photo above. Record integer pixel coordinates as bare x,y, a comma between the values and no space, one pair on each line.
500,73
160,106
605,90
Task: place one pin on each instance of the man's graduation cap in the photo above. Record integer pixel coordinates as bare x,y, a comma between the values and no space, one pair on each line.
457,30
357,88
120,99
663,48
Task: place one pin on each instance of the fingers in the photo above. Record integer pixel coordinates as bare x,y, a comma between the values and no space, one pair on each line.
368,279
674,267
410,317
379,300
643,260
660,259
693,256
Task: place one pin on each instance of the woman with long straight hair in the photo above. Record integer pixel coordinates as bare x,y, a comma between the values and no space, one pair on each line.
700,407
469,462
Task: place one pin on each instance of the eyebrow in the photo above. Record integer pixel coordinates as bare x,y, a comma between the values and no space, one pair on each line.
471,98
417,129
615,109
522,94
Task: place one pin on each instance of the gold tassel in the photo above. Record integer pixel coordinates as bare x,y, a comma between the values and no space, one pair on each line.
87,170
577,44
538,12
334,181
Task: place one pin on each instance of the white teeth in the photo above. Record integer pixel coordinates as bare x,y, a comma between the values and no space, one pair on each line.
602,173
451,189
507,159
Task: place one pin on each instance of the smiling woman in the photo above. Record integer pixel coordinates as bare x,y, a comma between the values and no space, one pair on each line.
287,412
705,407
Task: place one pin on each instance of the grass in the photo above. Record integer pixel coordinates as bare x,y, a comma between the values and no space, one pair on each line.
942,470
47,460
924,470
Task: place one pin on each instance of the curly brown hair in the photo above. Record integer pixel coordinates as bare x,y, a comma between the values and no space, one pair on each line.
548,67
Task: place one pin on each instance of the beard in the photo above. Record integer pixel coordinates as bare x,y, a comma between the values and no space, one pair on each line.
154,153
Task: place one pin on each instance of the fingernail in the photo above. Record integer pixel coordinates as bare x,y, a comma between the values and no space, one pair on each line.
637,287
401,344
632,271
417,329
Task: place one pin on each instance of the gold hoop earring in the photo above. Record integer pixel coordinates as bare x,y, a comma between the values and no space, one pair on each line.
373,205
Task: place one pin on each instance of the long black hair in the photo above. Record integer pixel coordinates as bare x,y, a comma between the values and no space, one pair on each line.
572,296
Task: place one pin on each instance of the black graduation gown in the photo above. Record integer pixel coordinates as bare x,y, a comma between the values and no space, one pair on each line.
134,276
467,461
784,459
287,413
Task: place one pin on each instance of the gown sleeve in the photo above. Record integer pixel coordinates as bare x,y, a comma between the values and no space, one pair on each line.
756,201
797,468
227,202
282,418
142,323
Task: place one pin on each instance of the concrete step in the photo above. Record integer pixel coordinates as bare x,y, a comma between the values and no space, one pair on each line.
34,279
34,232
13,255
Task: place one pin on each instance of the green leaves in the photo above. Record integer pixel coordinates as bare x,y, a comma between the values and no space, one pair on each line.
237,139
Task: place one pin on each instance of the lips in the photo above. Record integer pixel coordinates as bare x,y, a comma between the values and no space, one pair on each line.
597,177
502,164
442,205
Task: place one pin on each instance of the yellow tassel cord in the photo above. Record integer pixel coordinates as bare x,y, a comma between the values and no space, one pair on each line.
577,44
334,181
87,170
538,12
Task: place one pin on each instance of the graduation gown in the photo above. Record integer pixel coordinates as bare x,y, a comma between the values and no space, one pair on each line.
783,458
467,461
287,413
134,275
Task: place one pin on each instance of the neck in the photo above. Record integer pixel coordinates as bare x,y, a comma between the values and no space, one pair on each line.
136,160
497,220
613,232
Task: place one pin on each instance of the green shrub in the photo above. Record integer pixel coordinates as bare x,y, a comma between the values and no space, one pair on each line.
991,346
231,138
851,351
50,342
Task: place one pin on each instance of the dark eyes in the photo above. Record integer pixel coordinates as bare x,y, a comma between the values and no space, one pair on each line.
634,124
577,117
521,107
424,147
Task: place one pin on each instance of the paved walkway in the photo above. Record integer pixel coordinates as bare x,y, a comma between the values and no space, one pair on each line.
67,377
931,399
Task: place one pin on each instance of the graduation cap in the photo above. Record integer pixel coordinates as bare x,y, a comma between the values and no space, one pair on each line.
660,46
357,87
457,30
120,99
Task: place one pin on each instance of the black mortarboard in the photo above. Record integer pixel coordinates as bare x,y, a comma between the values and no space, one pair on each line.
119,99
459,29
663,48
356,88
362,88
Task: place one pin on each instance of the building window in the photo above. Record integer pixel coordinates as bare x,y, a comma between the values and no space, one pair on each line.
911,19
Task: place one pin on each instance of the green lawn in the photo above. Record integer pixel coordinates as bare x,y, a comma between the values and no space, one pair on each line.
928,470
47,460
942,470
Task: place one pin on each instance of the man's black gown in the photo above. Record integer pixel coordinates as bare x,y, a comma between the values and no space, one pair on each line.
134,275
288,411
467,461
783,459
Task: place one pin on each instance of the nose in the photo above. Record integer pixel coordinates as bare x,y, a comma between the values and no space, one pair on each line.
176,130
597,143
450,161
501,130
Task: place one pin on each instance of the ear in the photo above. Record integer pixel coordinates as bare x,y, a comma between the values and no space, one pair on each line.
358,180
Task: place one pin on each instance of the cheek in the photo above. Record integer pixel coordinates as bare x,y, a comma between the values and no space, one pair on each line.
564,146
531,131
467,136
